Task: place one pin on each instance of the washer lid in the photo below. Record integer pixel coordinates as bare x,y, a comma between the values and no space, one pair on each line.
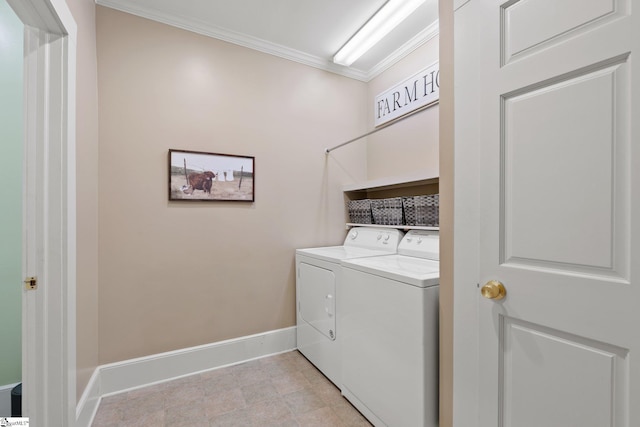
406,269
338,253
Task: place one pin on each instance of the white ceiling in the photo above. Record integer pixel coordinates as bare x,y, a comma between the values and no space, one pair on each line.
306,31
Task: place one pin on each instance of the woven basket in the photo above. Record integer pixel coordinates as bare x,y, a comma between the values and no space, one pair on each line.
387,211
409,206
423,210
359,211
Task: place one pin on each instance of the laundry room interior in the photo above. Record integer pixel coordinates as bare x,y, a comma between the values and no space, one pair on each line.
466,262
158,278
176,275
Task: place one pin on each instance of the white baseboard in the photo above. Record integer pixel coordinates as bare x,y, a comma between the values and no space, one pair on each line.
135,373
5,399
89,401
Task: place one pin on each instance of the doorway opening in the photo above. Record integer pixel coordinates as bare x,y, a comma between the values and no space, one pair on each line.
11,201
48,211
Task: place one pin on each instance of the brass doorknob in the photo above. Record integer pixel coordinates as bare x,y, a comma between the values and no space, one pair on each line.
493,290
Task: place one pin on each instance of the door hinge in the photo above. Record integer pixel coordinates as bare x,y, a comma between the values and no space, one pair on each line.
31,283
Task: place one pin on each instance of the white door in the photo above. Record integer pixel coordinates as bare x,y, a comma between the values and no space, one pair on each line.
558,128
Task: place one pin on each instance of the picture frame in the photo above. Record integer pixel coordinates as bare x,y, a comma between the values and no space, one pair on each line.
210,177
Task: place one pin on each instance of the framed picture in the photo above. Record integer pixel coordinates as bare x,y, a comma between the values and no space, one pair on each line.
198,176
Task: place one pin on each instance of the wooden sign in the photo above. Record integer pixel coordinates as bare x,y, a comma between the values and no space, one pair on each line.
421,89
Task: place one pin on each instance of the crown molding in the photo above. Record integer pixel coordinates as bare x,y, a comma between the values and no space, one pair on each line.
202,28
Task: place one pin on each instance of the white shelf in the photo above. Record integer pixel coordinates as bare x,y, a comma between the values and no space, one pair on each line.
409,180
400,227
398,185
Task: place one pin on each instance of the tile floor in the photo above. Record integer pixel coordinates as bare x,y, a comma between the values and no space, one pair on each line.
282,390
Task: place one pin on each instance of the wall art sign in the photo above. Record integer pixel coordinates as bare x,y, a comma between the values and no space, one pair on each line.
422,88
198,176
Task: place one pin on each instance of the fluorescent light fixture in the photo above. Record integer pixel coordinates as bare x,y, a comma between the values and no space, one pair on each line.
385,20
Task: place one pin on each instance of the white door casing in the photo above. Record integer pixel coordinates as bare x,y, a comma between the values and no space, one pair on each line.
48,323
545,203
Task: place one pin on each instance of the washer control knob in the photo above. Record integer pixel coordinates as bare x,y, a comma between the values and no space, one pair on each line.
353,234
379,237
386,238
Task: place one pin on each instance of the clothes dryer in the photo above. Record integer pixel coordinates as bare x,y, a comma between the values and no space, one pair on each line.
318,293
390,333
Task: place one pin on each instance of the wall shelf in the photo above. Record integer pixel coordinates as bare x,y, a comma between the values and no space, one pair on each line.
397,182
399,227
414,184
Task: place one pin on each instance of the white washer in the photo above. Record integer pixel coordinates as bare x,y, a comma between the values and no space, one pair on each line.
390,333
318,293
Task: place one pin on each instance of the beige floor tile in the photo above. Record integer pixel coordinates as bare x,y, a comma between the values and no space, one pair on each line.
284,390
303,401
222,381
108,416
270,412
151,419
289,383
183,395
255,393
223,402
193,413
140,406
251,375
323,417
314,376
348,415
237,418
328,392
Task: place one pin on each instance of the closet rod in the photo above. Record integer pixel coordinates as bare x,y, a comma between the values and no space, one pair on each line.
392,122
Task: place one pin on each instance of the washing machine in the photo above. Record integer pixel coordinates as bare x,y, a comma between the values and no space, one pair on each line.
318,293
389,329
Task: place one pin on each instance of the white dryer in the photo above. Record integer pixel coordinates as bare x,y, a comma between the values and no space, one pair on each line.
318,293
390,333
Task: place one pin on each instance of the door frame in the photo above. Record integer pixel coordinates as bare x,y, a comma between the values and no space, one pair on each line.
49,212
466,213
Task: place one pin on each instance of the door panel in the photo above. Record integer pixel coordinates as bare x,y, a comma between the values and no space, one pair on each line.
560,170
544,382
522,21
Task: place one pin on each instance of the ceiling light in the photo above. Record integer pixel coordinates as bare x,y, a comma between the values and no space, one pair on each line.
385,20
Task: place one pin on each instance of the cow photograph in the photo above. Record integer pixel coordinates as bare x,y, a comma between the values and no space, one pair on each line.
199,176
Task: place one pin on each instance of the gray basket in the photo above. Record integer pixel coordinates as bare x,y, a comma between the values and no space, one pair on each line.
387,211
422,210
359,211
409,206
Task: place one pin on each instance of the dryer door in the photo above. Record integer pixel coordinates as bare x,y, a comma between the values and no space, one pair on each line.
317,299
